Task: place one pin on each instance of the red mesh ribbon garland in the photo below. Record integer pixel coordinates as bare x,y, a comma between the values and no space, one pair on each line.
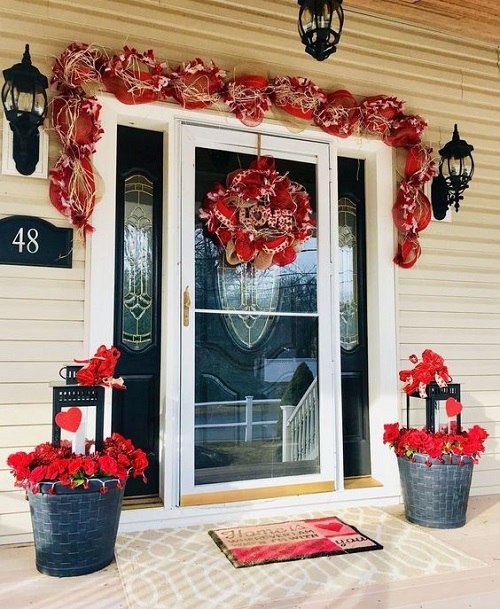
405,131
135,78
78,67
196,85
138,78
260,217
339,114
378,111
76,121
100,368
248,98
412,210
72,190
297,96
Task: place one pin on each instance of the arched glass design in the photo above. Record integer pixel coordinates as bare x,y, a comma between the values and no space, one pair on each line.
137,301
348,274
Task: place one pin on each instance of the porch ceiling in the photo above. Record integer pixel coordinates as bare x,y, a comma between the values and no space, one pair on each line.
478,20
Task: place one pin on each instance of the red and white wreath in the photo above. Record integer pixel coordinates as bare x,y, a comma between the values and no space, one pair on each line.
261,216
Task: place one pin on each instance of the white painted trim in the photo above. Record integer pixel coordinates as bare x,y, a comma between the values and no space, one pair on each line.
384,392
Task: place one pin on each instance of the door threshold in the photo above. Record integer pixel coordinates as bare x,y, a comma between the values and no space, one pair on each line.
360,482
139,503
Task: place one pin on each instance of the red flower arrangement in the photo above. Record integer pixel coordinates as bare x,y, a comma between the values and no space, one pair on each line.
260,217
118,460
435,445
445,446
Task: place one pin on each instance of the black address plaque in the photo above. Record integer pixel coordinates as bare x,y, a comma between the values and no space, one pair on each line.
31,241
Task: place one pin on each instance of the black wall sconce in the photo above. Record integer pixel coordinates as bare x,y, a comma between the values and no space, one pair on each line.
320,25
25,105
456,169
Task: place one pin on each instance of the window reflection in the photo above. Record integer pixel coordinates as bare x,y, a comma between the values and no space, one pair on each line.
256,351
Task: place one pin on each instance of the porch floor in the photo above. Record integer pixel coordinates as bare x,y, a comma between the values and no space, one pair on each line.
21,586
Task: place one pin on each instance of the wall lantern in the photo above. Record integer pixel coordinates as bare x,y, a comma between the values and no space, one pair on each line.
320,25
25,105
456,169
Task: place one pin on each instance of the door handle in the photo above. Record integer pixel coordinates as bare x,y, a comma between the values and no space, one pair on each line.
186,301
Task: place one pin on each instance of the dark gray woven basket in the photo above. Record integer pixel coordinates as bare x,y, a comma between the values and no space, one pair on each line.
75,529
435,496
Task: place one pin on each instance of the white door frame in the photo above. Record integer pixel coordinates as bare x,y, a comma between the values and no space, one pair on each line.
382,275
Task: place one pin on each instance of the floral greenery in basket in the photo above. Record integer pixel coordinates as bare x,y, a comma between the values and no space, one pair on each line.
448,445
119,459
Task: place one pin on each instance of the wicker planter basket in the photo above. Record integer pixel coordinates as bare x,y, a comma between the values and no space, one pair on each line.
435,496
75,529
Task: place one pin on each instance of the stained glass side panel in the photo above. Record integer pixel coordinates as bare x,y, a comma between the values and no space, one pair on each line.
137,302
348,274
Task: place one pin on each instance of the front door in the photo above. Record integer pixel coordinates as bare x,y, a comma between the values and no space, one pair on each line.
258,356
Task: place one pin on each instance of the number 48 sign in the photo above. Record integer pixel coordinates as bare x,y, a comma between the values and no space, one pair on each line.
31,241
31,246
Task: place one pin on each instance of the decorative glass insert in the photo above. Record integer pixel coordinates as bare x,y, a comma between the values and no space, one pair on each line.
243,288
137,303
348,274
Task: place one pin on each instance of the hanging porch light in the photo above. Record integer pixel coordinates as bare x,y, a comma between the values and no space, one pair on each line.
320,25
25,105
456,169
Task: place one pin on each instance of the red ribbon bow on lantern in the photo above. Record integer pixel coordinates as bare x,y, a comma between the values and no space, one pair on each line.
432,367
100,369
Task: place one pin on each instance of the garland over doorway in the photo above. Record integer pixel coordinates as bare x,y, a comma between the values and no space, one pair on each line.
83,70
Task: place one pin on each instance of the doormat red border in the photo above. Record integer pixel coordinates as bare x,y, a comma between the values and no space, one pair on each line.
291,540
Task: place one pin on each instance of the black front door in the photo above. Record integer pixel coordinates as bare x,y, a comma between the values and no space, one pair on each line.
137,295
353,319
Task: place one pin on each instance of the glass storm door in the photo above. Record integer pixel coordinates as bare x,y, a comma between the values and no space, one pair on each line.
257,402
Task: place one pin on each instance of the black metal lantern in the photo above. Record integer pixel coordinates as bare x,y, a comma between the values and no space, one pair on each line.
456,169
25,105
320,25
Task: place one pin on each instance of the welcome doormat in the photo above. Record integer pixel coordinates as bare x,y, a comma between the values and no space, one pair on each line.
292,540
182,568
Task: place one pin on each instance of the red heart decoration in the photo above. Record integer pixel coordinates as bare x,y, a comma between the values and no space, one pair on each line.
70,419
453,407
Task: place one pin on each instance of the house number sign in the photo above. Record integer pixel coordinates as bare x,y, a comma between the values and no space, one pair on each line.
31,241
